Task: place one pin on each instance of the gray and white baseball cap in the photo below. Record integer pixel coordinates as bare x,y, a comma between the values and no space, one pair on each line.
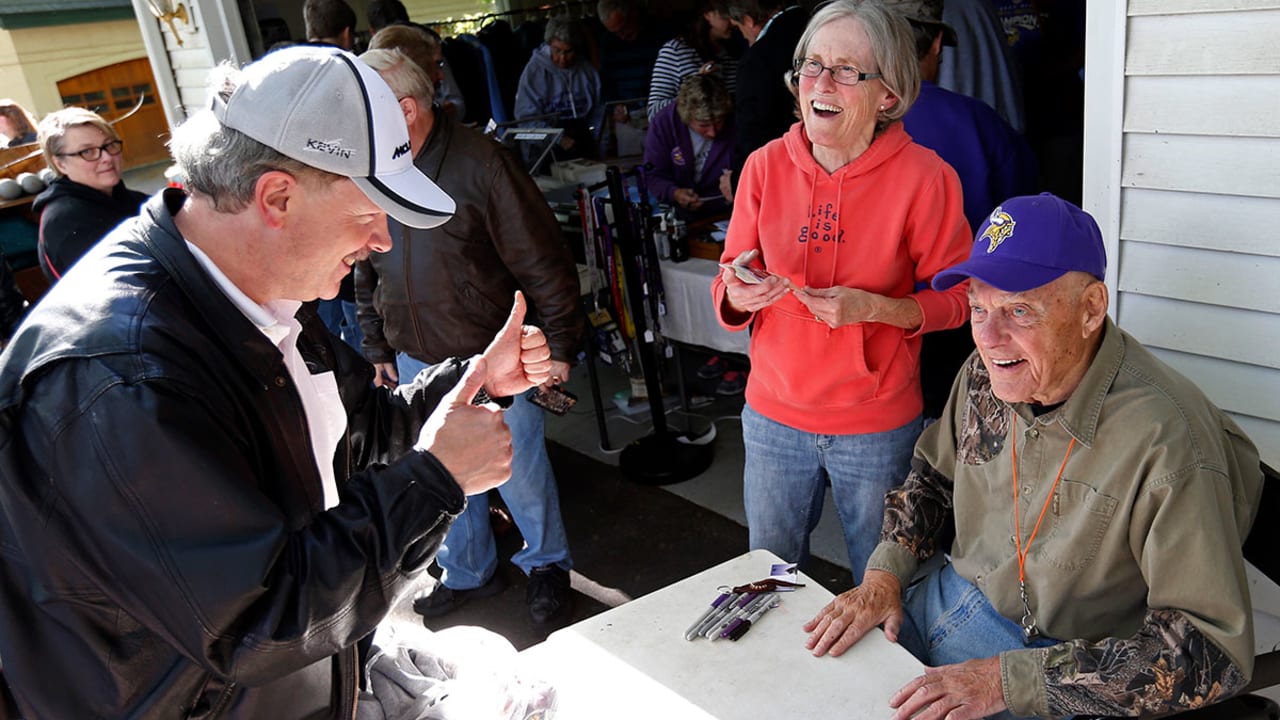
325,108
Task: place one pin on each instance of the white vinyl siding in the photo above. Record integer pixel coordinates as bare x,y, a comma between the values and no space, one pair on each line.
1183,174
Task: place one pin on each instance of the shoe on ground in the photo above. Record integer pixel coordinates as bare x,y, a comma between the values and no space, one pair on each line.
713,368
444,599
733,383
548,594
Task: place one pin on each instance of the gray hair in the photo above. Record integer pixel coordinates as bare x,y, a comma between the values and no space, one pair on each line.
566,30
224,165
405,77
892,45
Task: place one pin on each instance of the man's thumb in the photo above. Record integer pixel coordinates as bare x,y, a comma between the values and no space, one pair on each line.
472,381
516,319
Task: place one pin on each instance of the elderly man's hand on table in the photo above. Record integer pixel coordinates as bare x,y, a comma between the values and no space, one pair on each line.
852,614
964,691
519,357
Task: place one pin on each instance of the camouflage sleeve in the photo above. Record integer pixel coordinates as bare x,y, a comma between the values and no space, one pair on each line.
917,514
1168,666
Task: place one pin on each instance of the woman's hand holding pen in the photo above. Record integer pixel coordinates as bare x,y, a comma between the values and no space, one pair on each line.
839,306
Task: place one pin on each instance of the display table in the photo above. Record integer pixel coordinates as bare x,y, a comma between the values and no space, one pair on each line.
691,318
633,661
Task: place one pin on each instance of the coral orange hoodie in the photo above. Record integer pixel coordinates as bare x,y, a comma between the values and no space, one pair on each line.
884,223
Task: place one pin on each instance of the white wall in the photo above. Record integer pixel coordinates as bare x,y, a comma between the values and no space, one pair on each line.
1182,170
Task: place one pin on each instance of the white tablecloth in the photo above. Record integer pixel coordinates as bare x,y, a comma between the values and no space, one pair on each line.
690,316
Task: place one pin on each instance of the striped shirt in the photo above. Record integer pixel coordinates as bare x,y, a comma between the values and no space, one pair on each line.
677,61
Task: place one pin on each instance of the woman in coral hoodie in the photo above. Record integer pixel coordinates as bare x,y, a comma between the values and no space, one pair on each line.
850,219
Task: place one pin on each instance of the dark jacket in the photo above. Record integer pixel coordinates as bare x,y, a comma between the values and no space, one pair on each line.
764,107
447,291
73,217
13,305
164,552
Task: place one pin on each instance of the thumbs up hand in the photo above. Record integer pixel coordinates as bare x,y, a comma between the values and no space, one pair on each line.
471,441
519,356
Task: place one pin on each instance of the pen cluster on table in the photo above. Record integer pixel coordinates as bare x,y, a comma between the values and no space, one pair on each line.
732,614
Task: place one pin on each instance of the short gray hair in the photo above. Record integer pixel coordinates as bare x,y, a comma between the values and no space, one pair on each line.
892,44
566,30
405,77
224,165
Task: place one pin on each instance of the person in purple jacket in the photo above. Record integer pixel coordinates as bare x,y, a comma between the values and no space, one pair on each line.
690,144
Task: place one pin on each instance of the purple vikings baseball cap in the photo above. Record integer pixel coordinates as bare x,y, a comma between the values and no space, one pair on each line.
1028,242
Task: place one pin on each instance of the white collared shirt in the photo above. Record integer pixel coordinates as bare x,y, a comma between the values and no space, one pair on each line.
326,416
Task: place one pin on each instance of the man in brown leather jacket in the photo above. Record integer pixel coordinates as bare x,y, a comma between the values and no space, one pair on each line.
442,291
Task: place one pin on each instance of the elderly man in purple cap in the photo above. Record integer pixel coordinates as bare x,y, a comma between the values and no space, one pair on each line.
1099,503
206,502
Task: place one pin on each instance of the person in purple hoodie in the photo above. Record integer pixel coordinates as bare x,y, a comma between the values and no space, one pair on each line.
689,145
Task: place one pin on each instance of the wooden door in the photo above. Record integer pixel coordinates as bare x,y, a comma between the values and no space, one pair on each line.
113,91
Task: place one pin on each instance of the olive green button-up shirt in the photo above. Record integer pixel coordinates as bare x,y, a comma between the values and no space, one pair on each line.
1137,563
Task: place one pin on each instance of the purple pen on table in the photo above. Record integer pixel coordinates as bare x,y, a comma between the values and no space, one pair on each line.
720,612
738,610
691,633
727,628
742,629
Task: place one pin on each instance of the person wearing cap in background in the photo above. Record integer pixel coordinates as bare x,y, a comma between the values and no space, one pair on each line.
1099,503
440,292
207,503
992,159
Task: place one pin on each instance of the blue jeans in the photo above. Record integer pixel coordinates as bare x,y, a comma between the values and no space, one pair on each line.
340,317
785,477
469,555
947,620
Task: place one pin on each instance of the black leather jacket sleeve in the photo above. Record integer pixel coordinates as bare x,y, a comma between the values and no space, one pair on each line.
375,347
198,550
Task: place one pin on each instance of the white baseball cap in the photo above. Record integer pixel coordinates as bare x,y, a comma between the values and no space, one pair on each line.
325,108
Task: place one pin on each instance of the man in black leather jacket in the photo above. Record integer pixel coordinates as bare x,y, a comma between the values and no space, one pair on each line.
206,503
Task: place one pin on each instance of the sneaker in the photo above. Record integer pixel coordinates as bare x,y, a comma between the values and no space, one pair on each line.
444,599
713,368
548,594
733,383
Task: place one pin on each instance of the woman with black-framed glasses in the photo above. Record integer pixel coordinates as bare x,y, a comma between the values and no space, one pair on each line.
88,198
849,219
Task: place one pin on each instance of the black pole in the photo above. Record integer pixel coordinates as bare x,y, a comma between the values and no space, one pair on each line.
646,339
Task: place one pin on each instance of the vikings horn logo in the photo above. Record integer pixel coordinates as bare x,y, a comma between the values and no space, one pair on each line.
999,230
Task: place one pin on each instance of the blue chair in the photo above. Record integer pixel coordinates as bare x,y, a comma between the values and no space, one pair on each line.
497,107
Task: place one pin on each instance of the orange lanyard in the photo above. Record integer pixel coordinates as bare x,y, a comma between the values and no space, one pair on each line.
1029,630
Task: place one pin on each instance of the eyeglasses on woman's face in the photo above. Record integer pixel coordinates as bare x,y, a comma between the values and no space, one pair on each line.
843,74
91,154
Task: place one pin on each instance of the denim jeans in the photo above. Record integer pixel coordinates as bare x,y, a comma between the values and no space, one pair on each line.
947,620
469,555
340,317
785,476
